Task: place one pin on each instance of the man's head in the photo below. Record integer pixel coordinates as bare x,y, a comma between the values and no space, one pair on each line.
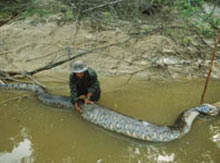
79,68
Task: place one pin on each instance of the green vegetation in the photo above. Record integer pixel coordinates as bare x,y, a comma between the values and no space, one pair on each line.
193,13
12,8
23,9
108,12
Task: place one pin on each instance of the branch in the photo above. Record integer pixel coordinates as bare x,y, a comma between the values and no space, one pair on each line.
214,7
52,53
210,68
103,5
1,82
35,81
136,72
14,98
192,30
49,66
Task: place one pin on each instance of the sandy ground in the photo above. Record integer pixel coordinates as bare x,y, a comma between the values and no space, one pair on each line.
25,47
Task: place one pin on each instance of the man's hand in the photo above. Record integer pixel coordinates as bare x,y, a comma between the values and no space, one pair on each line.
77,108
87,101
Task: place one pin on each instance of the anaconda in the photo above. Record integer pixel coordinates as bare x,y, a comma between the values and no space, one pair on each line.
120,123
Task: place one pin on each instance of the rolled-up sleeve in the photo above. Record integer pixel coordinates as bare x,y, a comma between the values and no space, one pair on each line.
73,90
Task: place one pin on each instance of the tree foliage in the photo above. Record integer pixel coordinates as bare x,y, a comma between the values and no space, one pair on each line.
108,11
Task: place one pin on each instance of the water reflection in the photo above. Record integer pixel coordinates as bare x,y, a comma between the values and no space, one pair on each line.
66,138
21,151
215,131
149,153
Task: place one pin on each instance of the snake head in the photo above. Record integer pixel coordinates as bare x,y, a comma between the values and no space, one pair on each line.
208,110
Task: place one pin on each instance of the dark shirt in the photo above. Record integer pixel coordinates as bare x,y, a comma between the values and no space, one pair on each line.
81,86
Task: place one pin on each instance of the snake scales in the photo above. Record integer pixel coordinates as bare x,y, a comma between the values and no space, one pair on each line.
120,123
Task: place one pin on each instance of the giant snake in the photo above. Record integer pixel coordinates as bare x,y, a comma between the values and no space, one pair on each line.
120,123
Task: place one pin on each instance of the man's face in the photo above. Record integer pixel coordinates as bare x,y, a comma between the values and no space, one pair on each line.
80,75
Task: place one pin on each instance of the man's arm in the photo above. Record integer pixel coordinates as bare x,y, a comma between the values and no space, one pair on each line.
73,94
73,90
94,83
93,86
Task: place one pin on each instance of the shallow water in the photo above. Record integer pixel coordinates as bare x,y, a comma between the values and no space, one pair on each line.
33,132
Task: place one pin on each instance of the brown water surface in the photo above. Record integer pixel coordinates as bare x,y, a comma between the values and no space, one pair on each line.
33,132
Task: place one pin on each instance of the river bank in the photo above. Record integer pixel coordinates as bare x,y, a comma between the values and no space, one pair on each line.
161,46
26,47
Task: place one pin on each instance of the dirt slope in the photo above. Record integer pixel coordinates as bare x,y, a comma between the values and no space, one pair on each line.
26,46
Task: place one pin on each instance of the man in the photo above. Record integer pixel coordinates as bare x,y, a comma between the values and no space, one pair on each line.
83,81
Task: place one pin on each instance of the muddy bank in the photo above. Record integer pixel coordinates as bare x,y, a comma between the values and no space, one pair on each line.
27,46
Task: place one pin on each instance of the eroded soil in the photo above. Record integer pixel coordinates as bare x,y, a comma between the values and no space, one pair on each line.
25,46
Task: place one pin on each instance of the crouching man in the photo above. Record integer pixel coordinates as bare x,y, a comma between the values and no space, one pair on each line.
83,82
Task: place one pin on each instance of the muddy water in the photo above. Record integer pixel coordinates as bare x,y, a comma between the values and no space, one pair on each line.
33,132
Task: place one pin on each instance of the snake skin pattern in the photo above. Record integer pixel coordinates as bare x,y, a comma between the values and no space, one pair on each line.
119,123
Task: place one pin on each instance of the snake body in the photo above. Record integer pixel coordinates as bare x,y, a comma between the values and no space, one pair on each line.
120,123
